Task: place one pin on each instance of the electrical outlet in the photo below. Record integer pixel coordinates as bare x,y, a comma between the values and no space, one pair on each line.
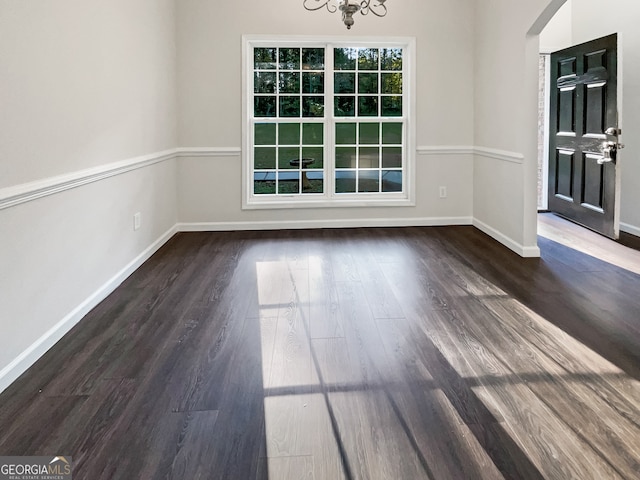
137,219
443,192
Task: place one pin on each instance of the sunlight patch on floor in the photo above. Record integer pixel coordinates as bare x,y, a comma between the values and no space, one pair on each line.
590,243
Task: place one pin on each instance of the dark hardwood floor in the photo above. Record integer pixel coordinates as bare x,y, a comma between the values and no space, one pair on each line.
400,353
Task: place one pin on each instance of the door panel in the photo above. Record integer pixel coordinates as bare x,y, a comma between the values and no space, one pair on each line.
583,105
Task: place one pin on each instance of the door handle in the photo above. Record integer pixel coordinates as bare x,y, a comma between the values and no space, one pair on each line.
609,149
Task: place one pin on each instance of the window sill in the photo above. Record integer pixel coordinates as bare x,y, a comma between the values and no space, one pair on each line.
284,203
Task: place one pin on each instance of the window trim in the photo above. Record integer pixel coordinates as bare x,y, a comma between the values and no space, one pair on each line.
329,199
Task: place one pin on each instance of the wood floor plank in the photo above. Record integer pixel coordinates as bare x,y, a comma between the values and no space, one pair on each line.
324,315
200,367
380,298
90,427
540,284
568,400
18,438
337,366
240,439
342,262
131,349
193,451
294,468
343,354
606,380
366,351
417,287
289,420
585,241
330,457
374,445
292,358
555,447
448,448
204,353
413,332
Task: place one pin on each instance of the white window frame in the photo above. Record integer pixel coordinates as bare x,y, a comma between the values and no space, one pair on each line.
329,198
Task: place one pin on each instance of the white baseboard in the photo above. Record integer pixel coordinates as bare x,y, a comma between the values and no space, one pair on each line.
523,251
625,227
347,223
29,356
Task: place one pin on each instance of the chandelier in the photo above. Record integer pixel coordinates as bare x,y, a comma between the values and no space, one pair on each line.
347,8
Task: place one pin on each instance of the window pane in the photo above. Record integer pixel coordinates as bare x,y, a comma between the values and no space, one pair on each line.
288,182
289,106
346,133
264,82
289,82
369,157
315,154
367,83
289,158
370,133
392,83
391,59
264,58
346,181
312,182
289,134
392,133
345,106
264,158
264,183
344,83
312,82
264,106
288,152
290,59
368,181
344,58
312,133
345,157
313,58
391,106
264,134
313,106
368,106
368,59
391,180
392,157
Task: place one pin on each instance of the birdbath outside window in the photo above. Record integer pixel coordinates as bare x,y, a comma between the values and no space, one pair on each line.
305,163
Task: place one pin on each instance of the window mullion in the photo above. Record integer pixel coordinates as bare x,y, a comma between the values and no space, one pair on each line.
329,164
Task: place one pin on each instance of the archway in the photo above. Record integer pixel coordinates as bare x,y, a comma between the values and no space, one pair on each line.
532,52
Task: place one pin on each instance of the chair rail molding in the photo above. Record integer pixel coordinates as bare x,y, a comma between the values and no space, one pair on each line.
26,192
513,157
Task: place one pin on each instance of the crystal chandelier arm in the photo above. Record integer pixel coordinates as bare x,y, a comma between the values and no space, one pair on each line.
319,4
379,9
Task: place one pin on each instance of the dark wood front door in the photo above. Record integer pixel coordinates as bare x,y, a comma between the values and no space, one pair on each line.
583,117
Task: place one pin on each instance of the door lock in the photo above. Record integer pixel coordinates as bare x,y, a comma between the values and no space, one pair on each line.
609,150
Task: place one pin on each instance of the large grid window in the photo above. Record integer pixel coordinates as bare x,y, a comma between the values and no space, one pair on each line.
326,123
